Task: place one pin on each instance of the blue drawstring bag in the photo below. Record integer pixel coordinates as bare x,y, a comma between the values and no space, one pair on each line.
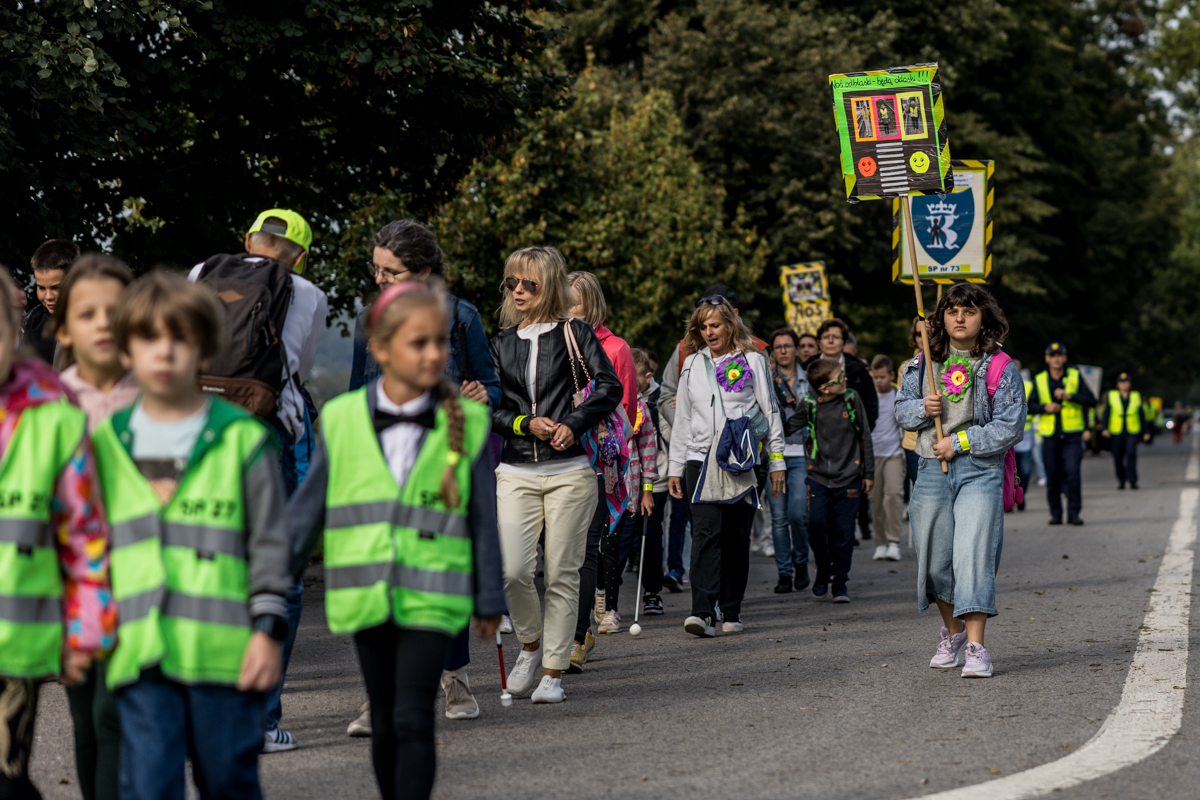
737,449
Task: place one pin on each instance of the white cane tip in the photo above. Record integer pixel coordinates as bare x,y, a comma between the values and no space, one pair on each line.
635,630
506,699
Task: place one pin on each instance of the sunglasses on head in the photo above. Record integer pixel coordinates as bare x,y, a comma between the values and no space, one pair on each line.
530,286
712,300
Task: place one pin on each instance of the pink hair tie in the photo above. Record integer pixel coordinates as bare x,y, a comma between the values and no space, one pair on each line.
385,300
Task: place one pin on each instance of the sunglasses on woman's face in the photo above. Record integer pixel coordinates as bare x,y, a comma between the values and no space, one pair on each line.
530,286
830,384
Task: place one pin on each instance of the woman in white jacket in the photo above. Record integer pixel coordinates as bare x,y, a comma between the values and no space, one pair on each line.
725,378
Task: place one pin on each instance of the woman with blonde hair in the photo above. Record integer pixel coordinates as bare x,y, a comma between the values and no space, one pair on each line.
725,407
545,479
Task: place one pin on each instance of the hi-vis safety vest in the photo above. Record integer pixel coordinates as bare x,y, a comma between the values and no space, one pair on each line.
1028,417
396,552
1124,420
31,588
179,571
1071,413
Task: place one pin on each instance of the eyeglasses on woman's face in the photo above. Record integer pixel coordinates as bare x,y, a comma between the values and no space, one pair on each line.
511,283
831,338
383,275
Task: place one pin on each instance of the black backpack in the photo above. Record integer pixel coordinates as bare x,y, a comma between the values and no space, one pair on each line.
255,293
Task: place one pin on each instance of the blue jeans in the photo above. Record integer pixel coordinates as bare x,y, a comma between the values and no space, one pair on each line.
789,520
1062,456
958,527
164,723
295,604
831,517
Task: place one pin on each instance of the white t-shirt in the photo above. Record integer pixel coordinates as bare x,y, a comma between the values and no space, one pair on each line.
401,443
532,333
886,437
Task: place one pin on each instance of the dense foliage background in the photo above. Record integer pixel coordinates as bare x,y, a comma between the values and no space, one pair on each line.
663,144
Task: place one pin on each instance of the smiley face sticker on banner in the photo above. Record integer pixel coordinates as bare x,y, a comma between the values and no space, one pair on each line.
866,166
919,162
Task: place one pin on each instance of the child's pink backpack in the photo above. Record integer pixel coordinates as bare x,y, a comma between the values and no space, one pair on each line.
1014,493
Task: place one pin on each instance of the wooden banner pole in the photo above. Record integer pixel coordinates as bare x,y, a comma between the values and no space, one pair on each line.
912,249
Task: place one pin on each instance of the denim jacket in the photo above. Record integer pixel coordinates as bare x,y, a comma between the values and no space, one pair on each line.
999,424
363,368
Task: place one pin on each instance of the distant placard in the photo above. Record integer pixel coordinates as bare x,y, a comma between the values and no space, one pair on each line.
892,132
805,295
953,232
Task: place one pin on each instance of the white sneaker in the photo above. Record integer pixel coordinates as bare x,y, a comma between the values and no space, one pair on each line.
362,725
1041,481
277,741
717,611
768,550
880,553
598,613
460,702
700,626
523,676
732,626
893,552
549,691
611,623
506,624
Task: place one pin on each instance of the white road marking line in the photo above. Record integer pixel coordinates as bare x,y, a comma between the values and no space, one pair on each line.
1151,708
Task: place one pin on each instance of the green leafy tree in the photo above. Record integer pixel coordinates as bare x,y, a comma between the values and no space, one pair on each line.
161,128
609,182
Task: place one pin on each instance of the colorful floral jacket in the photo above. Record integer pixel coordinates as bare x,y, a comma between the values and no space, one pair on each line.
77,515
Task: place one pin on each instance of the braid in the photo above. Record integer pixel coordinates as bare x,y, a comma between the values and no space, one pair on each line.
448,396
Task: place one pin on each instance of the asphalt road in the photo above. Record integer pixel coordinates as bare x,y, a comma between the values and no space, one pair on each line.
813,700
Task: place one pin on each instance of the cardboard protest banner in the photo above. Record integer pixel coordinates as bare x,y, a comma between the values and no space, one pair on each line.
953,232
892,132
805,296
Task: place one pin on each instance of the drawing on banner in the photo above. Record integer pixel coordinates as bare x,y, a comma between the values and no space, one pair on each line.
953,232
805,295
892,131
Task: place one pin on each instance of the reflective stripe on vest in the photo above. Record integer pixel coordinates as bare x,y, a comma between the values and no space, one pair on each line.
45,439
1127,419
179,572
1071,413
396,552
1028,417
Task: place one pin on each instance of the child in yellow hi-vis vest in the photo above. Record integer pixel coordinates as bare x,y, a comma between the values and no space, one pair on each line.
404,489
200,555
56,608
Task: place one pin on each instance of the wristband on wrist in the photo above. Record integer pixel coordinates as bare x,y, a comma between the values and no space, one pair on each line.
963,443
777,456
519,425
647,487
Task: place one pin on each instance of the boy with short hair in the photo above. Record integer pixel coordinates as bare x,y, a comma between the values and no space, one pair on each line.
887,492
841,466
200,563
50,263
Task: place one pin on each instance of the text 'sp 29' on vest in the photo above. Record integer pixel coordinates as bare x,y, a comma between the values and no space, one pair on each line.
395,552
31,587
179,571
1071,413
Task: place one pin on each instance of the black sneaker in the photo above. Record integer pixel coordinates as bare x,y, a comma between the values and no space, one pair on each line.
840,595
1056,520
820,589
785,585
1133,486
1074,519
1120,487
801,579
652,605
1021,506
673,580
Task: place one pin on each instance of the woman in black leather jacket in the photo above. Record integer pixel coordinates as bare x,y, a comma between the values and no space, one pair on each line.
545,479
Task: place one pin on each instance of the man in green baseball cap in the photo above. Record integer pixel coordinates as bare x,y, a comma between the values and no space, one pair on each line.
286,228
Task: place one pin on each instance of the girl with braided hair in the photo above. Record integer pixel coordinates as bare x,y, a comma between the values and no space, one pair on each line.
403,486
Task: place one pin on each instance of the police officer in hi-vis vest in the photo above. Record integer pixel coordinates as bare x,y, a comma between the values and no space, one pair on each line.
1124,422
1059,398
